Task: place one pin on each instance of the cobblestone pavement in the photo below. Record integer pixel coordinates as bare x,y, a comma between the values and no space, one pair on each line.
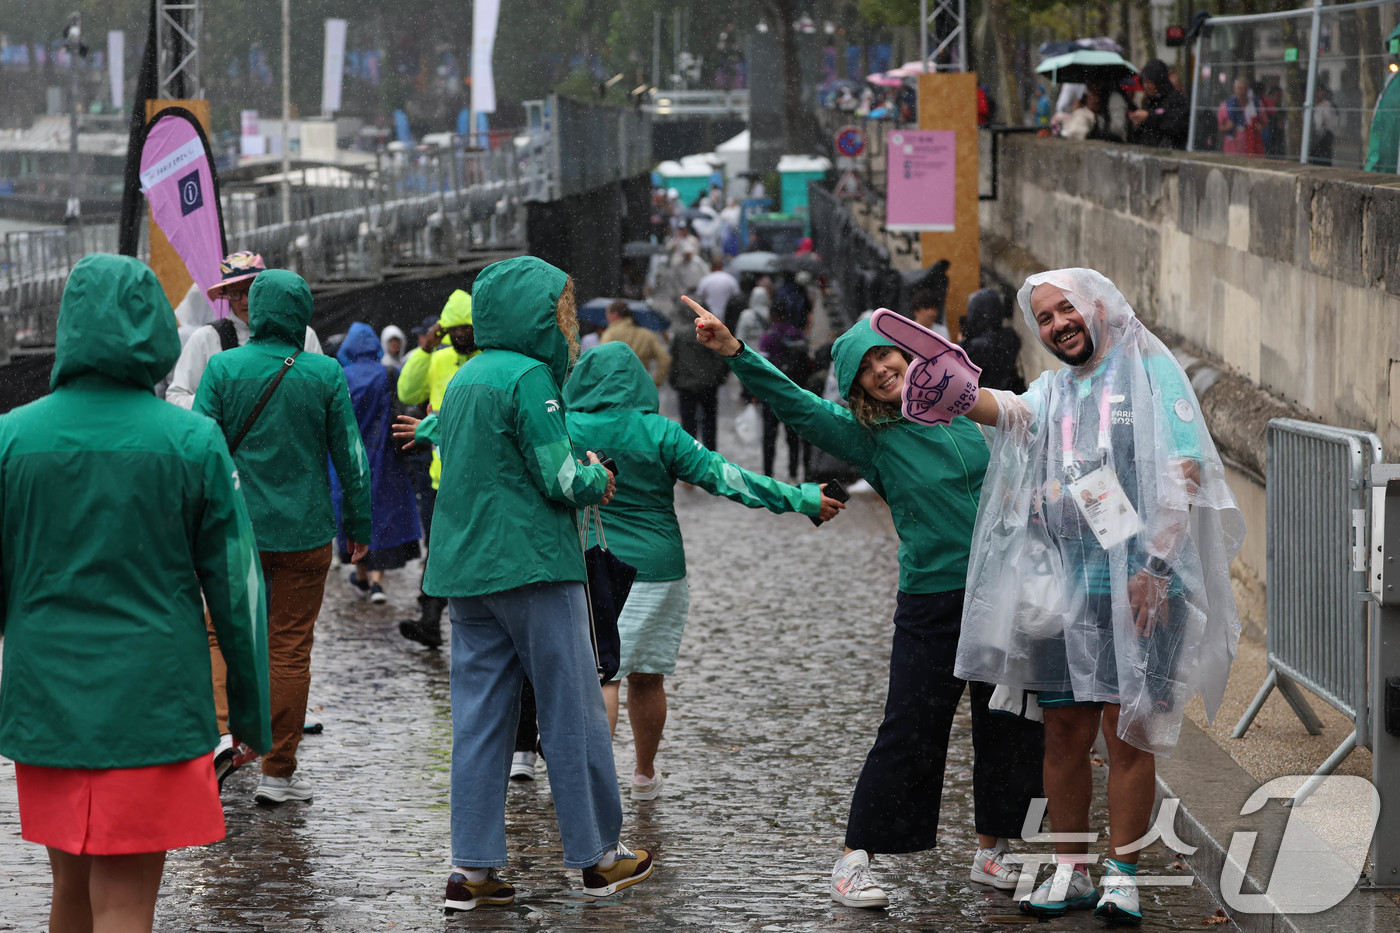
775,701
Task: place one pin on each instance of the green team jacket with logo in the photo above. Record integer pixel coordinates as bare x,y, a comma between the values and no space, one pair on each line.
116,510
612,405
505,511
282,461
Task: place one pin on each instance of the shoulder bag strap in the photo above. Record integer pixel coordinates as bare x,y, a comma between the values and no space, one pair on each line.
262,402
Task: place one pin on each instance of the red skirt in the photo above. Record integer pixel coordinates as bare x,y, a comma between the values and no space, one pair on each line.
120,811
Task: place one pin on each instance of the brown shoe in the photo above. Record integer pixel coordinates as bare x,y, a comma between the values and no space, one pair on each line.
466,895
628,868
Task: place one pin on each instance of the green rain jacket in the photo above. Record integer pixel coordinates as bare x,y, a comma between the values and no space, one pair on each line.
505,515
611,402
931,477
117,509
282,461
1381,154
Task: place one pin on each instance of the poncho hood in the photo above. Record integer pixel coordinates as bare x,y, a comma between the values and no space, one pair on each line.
458,310
279,307
516,300
114,320
360,345
849,349
610,377
1107,315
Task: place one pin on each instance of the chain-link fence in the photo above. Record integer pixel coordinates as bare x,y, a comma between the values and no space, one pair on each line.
1300,85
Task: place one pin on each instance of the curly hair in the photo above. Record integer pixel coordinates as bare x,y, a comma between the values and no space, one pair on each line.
871,412
566,315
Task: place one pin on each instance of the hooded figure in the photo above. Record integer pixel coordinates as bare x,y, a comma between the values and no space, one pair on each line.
612,405
306,424
394,515
282,460
1383,150
757,317
506,553
1047,594
930,477
445,362
992,347
106,658
391,359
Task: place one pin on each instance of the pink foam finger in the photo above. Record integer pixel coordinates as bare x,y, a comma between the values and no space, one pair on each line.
916,338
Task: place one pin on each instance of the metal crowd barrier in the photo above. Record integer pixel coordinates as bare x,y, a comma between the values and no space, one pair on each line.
1317,599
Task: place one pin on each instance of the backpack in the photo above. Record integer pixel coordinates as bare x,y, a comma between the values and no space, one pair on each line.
228,337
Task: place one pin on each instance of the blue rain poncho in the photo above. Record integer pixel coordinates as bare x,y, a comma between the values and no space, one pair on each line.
1048,605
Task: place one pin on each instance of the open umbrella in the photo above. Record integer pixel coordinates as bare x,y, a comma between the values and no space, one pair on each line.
595,311
883,80
1086,65
757,261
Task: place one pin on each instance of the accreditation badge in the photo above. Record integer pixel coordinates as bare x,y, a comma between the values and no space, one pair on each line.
1101,500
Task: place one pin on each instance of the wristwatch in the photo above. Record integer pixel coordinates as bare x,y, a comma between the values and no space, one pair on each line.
1157,567
737,353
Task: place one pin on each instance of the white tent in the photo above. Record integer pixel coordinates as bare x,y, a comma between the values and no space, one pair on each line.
735,154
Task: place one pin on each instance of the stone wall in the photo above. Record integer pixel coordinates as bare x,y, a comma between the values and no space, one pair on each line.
1288,274
1286,277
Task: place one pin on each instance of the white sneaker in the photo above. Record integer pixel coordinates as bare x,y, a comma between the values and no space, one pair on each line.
522,766
225,754
311,724
1065,889
996,867
853,885
280,790
1119,901
646,788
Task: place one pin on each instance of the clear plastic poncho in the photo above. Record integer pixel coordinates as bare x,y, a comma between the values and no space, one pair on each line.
1048,606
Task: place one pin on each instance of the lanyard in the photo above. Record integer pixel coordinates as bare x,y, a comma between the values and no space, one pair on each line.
1105,438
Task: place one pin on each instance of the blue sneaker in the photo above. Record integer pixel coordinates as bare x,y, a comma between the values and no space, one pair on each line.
1063,891
1119,903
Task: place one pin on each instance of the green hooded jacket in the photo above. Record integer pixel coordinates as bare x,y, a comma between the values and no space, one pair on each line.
118,510
505,515
282,460
931,477
611,402
1384,147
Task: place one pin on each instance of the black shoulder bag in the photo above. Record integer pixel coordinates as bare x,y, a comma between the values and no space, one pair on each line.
262,402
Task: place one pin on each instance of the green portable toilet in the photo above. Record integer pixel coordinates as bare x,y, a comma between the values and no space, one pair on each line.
796,171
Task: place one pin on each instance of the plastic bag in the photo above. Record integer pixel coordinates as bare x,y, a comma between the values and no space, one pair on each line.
749,426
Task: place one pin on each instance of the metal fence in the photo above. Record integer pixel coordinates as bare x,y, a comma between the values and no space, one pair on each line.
596,145
1299,85
1318,519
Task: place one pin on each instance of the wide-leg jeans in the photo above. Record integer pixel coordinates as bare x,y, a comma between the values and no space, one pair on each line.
540,631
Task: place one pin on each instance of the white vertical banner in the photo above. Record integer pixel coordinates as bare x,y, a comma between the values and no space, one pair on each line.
116,59
333,72
485,14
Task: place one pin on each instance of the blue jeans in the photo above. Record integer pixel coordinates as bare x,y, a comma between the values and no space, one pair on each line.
539,631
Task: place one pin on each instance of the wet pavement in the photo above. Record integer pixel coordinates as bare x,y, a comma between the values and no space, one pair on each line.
774,703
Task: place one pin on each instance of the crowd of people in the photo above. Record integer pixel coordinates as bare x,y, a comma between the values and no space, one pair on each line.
267,457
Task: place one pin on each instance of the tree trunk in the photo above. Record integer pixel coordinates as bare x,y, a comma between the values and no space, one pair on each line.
1008,91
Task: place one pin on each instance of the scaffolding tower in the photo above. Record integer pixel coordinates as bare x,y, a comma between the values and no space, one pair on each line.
178,27
946,22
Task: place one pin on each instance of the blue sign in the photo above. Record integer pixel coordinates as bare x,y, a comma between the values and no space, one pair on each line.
191,194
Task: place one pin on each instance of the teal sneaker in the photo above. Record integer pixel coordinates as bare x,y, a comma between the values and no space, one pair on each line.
1063,891
1119,903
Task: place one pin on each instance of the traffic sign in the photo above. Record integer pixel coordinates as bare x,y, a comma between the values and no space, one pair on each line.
850,141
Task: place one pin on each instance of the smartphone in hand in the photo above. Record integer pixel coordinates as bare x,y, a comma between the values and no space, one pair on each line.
833,490
607,462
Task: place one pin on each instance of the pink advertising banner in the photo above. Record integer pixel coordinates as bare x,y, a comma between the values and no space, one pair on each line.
177,177
922,180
